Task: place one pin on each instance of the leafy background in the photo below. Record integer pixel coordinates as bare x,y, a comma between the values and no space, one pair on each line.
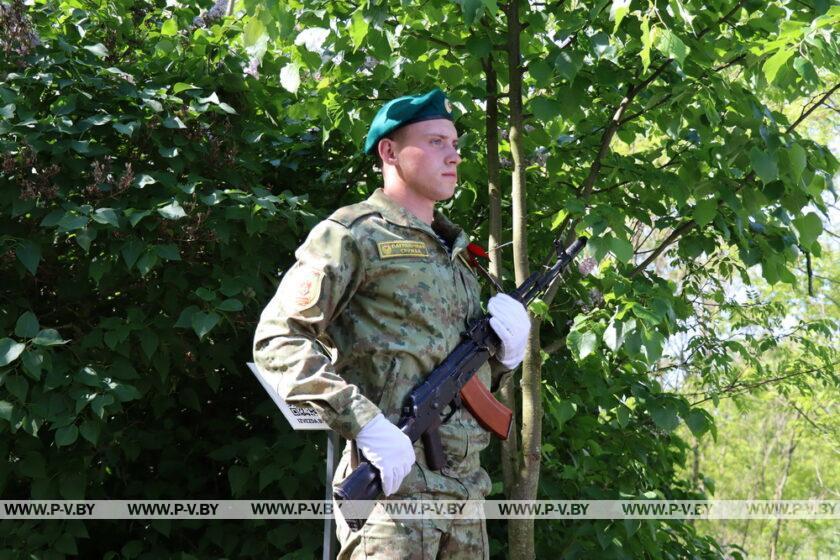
161,161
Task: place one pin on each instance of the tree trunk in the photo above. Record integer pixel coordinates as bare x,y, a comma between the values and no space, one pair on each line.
780,488
521,531
769,446
507,396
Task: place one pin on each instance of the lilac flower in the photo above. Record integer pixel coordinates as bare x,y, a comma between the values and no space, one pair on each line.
587,265
211,16
217,12
253,69
17,36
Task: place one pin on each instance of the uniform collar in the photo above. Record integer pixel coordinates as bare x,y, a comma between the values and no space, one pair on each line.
441,226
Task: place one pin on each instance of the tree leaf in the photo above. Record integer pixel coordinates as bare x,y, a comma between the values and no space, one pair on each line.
764,165
48,337
99,403
568,64
126,392
146,263
172,211
238,478
358,29
66,435
670,45
588,341
697,421
618,10
174,123
98,50
230,305
126,128
290,77
106,216
27,325
774,63
622,249
10,350
653,342
541,72
798,160
203,323
6,410
545,109
170,27
90,431
149,342
131,251
181,86
168,252
29,254
153,104
810,226
704,212
32,364
17,386
664,415
471,10
647,43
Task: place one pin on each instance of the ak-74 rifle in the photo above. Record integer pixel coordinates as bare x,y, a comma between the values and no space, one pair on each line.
451,382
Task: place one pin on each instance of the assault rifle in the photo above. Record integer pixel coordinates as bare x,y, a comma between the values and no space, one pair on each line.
450,383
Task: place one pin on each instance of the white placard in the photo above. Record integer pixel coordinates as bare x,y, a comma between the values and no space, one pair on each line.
299,417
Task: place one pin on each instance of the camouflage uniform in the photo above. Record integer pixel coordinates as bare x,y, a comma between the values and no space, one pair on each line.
374,302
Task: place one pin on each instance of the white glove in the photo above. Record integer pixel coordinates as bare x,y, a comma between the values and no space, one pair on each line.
388,449
511,322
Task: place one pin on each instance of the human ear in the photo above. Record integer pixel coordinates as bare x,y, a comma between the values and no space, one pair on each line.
387,151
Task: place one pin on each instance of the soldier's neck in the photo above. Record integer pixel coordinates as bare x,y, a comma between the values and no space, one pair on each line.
415,203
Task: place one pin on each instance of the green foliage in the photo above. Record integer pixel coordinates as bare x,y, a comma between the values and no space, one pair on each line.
161,163
150,192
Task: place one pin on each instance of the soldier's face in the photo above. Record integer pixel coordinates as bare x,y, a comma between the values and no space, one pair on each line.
428,158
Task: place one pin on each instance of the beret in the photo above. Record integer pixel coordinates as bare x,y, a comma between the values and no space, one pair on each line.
407,110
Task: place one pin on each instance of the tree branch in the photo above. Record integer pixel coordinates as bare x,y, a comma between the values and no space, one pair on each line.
734,9
805,114
676,234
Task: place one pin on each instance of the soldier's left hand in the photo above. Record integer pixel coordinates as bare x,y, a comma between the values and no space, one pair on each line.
511,322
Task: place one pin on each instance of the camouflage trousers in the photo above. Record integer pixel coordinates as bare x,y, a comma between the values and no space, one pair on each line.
384,538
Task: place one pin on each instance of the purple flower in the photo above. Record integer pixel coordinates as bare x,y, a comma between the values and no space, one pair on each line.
253,69
587,265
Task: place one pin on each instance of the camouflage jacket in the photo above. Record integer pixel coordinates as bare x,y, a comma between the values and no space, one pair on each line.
374,302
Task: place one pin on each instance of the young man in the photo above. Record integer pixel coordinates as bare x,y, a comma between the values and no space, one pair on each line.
379,295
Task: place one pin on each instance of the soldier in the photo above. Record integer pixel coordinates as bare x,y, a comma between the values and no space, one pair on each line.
379,295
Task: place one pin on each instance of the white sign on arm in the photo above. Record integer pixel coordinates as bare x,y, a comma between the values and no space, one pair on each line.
299,417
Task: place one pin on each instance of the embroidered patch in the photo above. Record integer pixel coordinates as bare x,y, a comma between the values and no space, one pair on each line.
392,249
306,286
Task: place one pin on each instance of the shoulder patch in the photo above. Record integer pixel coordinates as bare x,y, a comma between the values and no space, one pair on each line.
392,249
304,286
348,215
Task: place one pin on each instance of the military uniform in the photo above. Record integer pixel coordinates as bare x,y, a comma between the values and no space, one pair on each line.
374,302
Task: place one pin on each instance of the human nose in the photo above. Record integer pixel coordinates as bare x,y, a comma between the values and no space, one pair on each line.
454,156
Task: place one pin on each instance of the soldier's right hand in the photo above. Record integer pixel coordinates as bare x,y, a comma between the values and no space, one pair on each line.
388,449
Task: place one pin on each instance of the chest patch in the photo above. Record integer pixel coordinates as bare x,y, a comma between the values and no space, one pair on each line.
394,249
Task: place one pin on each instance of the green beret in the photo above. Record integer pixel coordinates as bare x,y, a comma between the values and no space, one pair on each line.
406,110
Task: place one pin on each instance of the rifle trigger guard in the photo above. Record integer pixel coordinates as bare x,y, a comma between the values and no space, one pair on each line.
453,408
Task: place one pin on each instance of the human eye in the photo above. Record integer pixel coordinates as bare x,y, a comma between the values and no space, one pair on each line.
437,142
